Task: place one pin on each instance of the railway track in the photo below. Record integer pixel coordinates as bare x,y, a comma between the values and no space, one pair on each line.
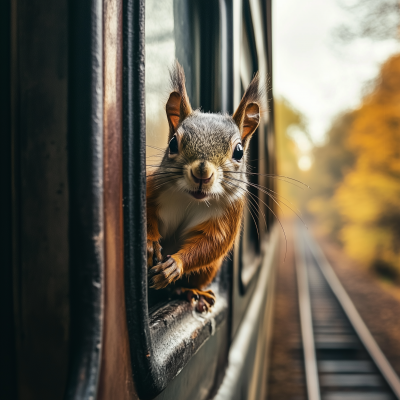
341,358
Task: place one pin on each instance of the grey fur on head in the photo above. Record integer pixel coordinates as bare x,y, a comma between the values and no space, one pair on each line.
209,140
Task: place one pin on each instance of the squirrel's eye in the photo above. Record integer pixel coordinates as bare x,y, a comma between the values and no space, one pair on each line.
238,152
173,145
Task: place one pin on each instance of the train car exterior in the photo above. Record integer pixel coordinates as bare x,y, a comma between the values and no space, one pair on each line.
82,102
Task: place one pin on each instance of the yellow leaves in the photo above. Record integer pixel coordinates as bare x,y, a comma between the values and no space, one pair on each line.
357,175
286,116
364,243
368,198
375,136
364,196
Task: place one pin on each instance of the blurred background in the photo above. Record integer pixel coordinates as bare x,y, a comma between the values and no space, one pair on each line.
337,108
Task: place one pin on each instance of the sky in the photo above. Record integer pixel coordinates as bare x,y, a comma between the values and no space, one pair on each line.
319,77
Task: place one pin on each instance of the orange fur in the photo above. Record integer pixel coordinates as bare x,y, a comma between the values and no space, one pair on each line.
204,249
152,212
205,245
208,244
153,235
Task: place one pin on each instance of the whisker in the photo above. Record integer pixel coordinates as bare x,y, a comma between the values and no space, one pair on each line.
295,210
154,155
257,159
163,173
263,190
151,165
254,208
279,195
191,201
274,177
155,147
280,223
255,224
252,201
269,208
269,176
169,181
248,166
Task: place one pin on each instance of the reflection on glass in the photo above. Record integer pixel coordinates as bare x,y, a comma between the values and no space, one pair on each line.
251,221
160,55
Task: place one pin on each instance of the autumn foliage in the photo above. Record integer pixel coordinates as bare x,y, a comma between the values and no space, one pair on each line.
357,177
369,197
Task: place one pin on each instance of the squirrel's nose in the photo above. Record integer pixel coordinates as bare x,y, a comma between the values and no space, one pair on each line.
200,180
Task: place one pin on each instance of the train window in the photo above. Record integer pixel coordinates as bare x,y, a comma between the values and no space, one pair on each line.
164,329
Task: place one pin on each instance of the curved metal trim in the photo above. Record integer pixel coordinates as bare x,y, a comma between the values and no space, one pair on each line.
134,194
85,145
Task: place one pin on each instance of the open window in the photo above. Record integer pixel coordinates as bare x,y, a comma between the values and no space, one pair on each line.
202,35
190,31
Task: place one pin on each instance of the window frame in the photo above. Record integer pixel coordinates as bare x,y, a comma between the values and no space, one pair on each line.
253,23
86,218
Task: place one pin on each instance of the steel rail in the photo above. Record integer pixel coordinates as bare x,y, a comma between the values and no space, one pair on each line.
354,317
310,359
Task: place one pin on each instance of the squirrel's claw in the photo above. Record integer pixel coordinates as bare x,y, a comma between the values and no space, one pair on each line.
203,305
206,301
164,274
153,253
205,298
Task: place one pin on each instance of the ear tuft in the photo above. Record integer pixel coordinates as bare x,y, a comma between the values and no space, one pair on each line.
247,115
178,106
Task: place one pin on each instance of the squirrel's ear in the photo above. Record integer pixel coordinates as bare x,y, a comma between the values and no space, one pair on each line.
172,108
247,115
178,106
250,121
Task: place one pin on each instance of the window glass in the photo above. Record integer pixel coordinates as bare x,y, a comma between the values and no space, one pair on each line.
160,55
253,219
168,37
169,33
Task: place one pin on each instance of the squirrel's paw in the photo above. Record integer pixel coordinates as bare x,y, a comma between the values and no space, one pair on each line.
153,253
165,273
205,298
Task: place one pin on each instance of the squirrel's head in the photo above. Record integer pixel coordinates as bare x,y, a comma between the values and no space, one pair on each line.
206,154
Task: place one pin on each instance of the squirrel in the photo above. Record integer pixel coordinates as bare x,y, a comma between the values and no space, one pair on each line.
193,202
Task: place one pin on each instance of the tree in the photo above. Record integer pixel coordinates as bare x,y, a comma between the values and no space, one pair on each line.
332,162
374,19
287,117
368,198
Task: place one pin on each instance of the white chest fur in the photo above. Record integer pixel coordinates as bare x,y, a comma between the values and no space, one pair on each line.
179,212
